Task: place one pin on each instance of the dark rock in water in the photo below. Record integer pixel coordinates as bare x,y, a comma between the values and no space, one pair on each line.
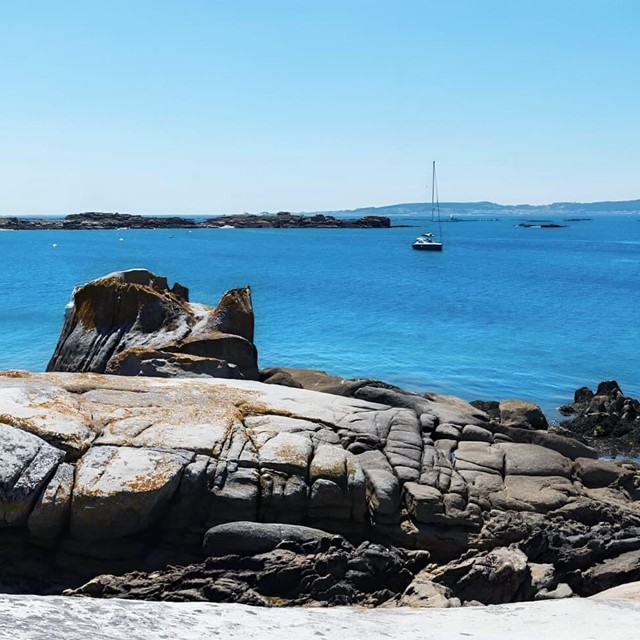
607,419
131,323
583,394
490,407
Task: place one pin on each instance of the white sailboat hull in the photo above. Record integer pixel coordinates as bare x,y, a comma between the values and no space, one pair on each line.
427,246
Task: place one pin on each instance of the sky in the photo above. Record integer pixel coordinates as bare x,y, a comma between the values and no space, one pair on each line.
212,106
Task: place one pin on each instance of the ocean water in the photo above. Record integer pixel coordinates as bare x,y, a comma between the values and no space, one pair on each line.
502,312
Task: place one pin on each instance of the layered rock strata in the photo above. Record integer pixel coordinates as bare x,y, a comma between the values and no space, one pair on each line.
131,323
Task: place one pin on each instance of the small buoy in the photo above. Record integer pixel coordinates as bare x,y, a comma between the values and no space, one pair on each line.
120,239
54,245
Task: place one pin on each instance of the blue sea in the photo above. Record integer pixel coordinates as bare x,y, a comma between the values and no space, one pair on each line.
503,311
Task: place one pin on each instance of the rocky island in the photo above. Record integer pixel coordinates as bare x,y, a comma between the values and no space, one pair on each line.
281,220
155,460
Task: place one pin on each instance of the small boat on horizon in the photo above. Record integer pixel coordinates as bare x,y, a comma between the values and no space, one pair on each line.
427,241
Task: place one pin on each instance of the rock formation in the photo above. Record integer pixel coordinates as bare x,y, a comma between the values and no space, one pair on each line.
271,565
108,474
302,488
281,220
607,419
131,323
286,220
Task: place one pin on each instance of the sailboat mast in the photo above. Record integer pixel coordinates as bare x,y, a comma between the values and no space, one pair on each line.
433,191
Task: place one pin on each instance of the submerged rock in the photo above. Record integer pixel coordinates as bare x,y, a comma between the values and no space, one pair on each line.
131,323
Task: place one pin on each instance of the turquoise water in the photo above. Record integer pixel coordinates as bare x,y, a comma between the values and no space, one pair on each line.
502,312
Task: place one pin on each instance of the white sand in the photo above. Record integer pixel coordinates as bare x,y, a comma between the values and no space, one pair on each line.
33,617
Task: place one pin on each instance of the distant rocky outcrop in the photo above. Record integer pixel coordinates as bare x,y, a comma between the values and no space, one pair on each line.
606,419
286,220
97,220
132,323
281,220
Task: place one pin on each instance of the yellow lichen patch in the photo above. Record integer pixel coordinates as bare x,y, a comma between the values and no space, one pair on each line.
144,483
287,452
14,373
334,469
100,302
19,423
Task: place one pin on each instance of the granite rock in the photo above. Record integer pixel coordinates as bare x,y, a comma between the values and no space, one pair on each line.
132,323
522,414
148,465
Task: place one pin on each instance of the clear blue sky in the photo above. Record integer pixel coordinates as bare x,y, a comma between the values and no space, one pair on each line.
202,106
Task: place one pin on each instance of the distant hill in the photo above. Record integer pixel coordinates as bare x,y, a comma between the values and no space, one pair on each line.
448,208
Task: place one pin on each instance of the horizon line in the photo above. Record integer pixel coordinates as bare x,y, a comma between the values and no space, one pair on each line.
355,209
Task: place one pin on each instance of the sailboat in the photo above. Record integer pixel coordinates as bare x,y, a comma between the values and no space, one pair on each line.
427,241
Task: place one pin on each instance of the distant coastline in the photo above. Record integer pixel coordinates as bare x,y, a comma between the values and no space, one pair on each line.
101,221
486,207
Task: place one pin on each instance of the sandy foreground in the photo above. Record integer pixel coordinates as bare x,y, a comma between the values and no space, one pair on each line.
34,617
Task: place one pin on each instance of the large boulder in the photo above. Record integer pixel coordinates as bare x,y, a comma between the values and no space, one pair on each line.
251,538
122,490
522,414
132,323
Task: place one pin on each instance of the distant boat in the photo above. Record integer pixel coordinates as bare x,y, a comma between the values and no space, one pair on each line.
427,241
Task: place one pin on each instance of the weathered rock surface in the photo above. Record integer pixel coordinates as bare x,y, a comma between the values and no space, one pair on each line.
271,565
143,467
131,323
500,575
521,414
606,419
27,463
